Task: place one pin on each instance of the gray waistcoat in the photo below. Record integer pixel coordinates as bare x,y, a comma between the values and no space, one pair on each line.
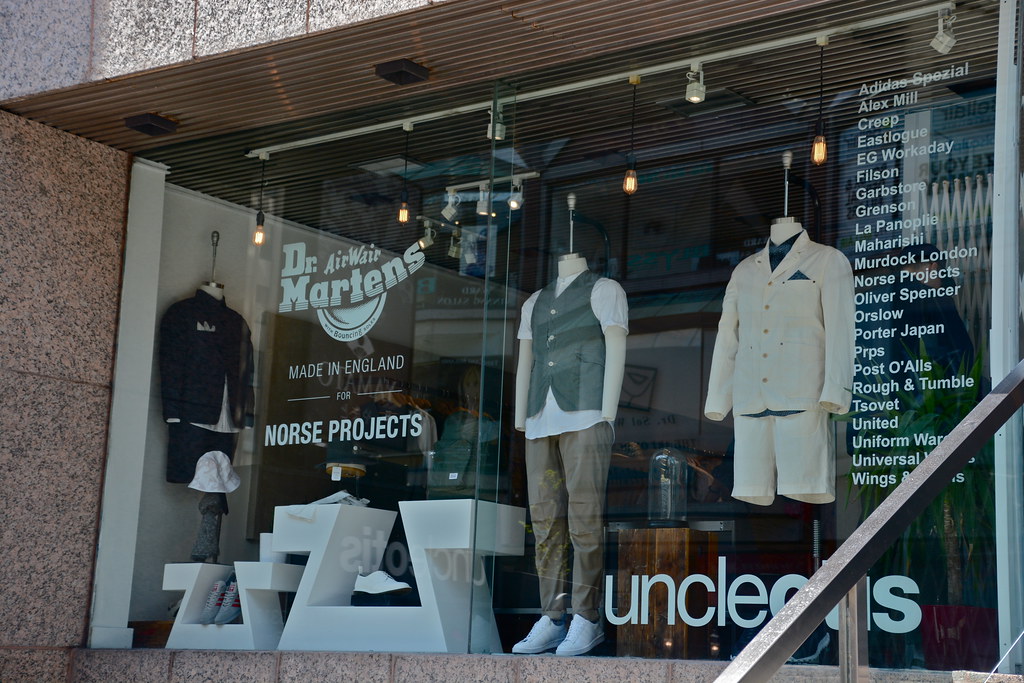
568,348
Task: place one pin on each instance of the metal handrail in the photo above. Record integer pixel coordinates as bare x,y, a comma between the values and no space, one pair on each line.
788,629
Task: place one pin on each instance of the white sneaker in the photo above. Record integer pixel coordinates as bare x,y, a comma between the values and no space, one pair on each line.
544,635
380,583
583,636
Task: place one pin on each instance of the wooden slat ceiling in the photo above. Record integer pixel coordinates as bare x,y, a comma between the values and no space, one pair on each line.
325,82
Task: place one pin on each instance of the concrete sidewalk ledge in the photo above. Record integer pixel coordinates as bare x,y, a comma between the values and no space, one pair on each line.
157,666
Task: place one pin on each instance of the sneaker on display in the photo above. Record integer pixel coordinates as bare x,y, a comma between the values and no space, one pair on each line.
380,583
231,605
544,635
583,637
213,602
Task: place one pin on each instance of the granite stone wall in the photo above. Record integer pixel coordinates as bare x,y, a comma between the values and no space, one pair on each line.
62,222
51,44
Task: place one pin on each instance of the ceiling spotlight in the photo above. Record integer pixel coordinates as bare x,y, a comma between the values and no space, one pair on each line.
455,246
151,124
944,39
496,128
402,71
483,204
450,211
695,89
515,198
428,235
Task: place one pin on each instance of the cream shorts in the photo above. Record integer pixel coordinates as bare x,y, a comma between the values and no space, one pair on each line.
793,455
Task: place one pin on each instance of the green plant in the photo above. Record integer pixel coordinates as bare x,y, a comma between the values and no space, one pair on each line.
949,547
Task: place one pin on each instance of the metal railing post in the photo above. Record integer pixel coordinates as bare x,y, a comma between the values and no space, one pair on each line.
853,635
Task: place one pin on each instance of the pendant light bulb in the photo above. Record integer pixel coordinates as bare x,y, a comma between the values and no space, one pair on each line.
630,184
819,150
819,147
259,235
403,208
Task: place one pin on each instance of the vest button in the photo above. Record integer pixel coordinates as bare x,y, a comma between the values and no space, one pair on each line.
551,337
551,363
553,311
764,379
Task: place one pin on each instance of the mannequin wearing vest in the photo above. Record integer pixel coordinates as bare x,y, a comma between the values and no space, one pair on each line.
572,353
783,362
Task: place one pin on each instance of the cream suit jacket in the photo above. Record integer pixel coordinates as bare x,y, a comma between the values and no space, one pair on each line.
785,339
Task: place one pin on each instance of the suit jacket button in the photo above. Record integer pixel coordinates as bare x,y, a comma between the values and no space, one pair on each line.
764,379
766,331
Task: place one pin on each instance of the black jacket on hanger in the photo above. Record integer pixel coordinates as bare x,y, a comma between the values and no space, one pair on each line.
202,342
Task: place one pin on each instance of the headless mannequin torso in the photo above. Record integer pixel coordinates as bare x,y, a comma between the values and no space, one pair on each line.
214,289
783,229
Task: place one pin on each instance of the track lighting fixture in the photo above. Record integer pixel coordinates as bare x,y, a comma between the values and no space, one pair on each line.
403,208
515,198
496,127
259,235
483,203
450,211
944,39
455,246
629,181
695,89
819,148
428,235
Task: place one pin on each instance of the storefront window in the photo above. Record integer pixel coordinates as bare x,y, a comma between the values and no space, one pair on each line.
769,399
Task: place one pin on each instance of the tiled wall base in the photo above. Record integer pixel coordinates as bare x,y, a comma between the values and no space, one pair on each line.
157,666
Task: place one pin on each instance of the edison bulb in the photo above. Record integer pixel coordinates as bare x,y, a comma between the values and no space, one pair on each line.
819,150
629,182
403,213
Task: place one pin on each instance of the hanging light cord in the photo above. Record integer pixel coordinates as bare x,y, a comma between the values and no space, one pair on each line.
405,172
632,124
821,83
263,182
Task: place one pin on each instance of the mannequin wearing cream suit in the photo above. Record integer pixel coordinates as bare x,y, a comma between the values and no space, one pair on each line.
783,361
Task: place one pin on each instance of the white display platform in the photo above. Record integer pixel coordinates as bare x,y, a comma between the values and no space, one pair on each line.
440,535
258,583
447,540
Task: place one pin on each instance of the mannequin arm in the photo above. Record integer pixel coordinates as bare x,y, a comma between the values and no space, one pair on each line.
523,371
614,369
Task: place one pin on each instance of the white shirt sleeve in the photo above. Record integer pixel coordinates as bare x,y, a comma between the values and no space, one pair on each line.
608,300
525,324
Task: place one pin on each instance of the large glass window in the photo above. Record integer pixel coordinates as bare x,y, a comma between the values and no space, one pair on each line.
439,308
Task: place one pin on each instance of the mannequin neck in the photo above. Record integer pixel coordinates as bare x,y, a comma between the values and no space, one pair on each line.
783,229
571,264
214,289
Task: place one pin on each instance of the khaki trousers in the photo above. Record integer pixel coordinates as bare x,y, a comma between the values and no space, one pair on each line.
566,478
